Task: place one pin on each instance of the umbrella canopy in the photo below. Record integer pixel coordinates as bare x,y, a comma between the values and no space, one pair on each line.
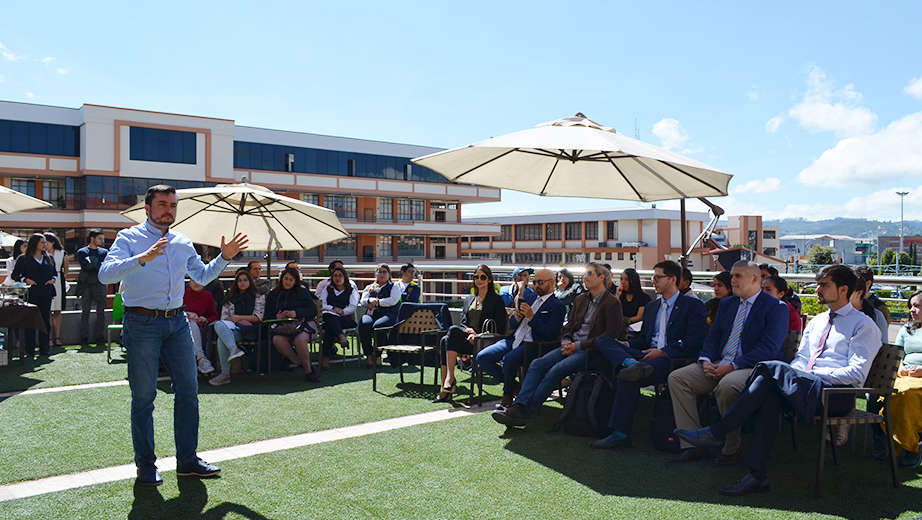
12,201
272,222
7,240
577,157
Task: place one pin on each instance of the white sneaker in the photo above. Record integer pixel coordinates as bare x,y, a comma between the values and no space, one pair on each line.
221,379
205,366
235,353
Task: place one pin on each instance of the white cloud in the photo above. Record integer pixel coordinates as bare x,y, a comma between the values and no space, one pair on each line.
758,186
61,71
2,79
772,125
8,54
825,109
30,95
47,60
670,133
867,161
885,205
914,88
753,93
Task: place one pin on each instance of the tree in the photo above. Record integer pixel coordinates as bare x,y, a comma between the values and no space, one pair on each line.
888,257
821,255
905,259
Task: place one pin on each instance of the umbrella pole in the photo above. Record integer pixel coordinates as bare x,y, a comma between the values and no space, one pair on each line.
683,260
269,265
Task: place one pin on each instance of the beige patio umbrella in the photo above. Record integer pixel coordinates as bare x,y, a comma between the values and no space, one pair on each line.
272,222
577,157
12,201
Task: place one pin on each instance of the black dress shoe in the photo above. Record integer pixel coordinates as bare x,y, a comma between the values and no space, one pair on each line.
691,455
635,372
723,460
702,437
514,415
610,443
745,486
149,476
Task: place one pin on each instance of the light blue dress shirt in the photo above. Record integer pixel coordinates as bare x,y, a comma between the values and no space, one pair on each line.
852,345
160,283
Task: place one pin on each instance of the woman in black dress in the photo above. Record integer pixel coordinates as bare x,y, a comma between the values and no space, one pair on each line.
35,268
484,304
632,297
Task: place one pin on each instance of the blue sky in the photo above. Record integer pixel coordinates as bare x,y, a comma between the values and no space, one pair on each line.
815,107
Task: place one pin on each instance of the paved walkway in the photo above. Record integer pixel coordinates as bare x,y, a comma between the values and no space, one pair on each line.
128,471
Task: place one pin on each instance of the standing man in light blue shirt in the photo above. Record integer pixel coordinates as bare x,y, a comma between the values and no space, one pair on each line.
151,261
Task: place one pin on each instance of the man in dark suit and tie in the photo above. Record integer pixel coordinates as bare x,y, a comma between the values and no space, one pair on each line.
539,321
837,349
673,326
750,327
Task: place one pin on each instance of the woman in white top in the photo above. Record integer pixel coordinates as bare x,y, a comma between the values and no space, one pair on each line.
57,252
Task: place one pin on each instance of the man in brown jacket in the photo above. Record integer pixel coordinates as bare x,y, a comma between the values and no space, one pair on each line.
595,313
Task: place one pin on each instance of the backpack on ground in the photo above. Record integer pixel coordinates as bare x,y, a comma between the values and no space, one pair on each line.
662,425
588,406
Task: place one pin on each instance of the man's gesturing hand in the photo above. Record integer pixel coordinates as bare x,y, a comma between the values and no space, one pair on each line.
237,244
158,249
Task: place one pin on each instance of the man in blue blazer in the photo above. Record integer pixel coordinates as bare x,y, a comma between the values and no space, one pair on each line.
673,326
750,327
540,320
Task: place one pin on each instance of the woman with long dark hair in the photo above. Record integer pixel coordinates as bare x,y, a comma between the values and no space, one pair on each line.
339,299
722,289
35,268
290,299
484,304
632,296
241,313
59,257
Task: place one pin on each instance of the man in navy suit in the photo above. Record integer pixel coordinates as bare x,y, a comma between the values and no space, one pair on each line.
541,320
673,326
750,327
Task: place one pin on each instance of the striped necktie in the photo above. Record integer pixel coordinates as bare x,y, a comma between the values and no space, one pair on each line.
822,344
733,342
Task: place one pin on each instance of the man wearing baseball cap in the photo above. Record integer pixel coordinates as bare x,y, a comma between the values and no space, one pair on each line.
520,279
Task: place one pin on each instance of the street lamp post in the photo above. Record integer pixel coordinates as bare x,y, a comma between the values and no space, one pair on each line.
901,194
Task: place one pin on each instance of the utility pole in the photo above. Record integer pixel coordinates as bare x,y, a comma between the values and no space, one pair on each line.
901,194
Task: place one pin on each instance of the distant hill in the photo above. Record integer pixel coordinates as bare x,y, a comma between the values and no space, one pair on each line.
858,228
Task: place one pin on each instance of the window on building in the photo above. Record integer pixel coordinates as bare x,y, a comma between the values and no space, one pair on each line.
620,256
39,138
54,192
24,186
505,258
528,232
553,258
170,146
437,205
612,230
440,216
553,232
575,258
411,210
597,256
592,230
529,258
753,237
574,230
410,246
439,251
344,206
505,234
311,198
385,208
384,243
608,256
343,249
480,239
770,251
768,235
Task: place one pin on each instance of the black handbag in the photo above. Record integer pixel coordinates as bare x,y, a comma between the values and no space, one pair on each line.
289,328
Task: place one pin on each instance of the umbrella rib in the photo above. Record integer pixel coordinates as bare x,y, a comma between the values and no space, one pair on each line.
208,205
549,175
611,160
706,183
660,177
481,165
305,214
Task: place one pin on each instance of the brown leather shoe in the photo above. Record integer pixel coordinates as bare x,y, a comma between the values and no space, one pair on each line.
691,455
728,460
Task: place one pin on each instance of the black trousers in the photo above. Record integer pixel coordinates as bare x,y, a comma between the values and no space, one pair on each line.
455,340
43,303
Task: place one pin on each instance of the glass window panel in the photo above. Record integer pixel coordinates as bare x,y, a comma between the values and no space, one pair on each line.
256,156
189,147
37,138
323,158
241,155
176,149
72,142
268,159
55,140
5,136
19,137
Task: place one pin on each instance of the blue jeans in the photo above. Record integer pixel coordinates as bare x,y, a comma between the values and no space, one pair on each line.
227,339
366,330
544,376
149,341
502,362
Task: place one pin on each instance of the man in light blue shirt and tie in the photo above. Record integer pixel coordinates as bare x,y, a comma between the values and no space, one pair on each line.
151,261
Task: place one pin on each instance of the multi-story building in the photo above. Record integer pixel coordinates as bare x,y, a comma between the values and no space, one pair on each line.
748,231
93,161
797,246
623,237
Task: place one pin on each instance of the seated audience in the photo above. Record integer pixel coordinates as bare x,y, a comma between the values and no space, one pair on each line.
721,291
777,287
263,285
241,313
340,299
860,302
567,288
539,321
520,280
479,307
632,296
836,350
322,284
290,299
596,313
750,327
867,275
382,301
412,293
686,283
673,327
201,311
